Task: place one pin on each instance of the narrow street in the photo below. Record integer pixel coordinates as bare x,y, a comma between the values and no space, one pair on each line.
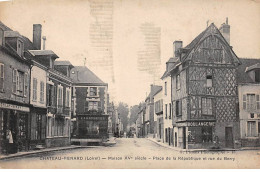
134,153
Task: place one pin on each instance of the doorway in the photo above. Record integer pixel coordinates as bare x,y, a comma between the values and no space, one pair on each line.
229,137
184,137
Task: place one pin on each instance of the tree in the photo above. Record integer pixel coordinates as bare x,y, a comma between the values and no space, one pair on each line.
123,111
134,114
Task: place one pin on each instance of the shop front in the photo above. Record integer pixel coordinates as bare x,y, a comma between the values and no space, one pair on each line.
197,135
14,123
91,128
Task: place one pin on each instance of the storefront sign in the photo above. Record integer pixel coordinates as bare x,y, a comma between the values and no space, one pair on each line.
196,124
202,124
14,107
93,118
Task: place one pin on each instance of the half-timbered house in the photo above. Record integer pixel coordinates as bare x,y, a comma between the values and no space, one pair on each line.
204,92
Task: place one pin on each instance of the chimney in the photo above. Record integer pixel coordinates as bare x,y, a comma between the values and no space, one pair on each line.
176,46
1,37
43,45
37,34
225,31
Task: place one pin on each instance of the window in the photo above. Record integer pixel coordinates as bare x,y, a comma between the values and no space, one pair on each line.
20,48
50,93
26,85
257,102
86,106
165,88
166,110
251,129
178,108
60,95
209,80
20,81
1,76
178,82
42,92
93,91
250,102
34,89
93,105
206,106
170,108
67,98
252,115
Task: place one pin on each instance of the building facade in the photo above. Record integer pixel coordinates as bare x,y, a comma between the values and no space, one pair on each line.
90,106
249,102
204,92
14,92
167,102
158,115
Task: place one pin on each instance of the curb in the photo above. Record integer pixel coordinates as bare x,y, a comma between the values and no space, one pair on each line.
202,150
39,152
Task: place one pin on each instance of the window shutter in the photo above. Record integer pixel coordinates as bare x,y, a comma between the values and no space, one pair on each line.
14,80
99,106
47,94
257,102
25,84
180,108
244,101
2,77
17,80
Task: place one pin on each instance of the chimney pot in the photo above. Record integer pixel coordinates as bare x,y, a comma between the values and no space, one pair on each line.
225,31
37,34
176,46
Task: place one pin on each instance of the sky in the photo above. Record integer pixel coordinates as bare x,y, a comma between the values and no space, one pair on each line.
66,24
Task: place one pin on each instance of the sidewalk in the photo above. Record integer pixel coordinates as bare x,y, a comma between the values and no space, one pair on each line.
200,150
110,142
20,154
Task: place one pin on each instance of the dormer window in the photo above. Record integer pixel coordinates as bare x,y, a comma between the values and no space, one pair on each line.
19,48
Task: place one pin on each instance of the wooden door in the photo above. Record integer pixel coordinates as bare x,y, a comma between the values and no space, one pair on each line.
229,137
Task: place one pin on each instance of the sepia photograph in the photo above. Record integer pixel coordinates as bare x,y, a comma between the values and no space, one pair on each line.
129,84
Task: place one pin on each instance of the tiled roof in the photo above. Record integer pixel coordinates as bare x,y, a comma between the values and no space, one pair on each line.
82,74
4,27
242,76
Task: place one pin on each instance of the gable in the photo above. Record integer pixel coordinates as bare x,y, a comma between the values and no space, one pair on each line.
211,48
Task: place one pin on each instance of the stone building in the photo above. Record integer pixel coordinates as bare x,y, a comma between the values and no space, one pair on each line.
249,101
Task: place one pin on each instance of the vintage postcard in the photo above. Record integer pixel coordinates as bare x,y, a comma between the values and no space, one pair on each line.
129,84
